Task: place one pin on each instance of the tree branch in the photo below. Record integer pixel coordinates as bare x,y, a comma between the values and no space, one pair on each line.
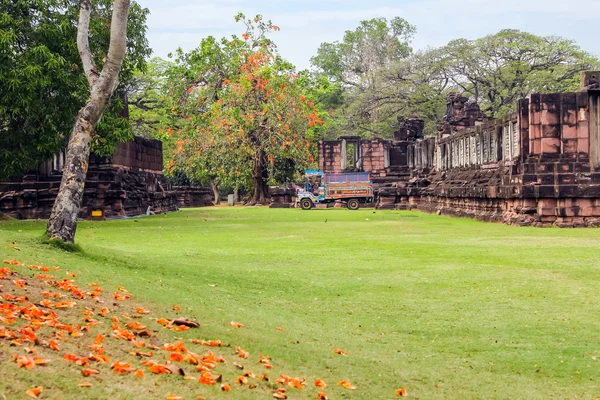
83,44
118,43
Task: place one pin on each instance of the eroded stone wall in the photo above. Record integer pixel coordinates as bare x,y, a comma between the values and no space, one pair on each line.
129,183
530,168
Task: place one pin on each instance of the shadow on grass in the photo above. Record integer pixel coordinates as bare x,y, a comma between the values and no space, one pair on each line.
61,244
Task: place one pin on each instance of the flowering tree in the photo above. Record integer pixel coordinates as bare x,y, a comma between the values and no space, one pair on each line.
238,111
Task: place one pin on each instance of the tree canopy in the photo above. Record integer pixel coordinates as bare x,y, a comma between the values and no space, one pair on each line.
239,112
495,70
42,85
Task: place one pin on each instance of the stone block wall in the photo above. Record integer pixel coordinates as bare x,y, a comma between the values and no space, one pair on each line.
530,168
125,184
140,154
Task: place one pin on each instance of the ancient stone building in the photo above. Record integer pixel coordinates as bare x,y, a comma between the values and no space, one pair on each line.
126,184
539,166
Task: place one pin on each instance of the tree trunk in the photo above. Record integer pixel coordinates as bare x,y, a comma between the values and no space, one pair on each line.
215,190
236,194
63,219
260,193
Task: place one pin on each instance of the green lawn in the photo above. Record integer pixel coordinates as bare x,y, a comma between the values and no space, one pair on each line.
447,308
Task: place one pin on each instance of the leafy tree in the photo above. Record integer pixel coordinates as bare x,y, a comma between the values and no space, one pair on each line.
495,70
240,111
146,93
498,69
374,44
355,65
42,84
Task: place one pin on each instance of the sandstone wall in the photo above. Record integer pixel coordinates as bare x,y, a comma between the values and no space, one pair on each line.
125,184
530,168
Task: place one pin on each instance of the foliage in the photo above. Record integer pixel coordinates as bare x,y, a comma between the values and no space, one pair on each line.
495,70
374,44
146,92
239,111
355,65
42,85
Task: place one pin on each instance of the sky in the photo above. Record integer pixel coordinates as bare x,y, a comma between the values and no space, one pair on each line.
305,24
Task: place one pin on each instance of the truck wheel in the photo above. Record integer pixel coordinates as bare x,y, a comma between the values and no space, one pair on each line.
306,204
353,204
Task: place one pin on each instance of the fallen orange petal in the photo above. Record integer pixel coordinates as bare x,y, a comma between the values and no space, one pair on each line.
141,310
84,384
139,373
340,352
236,324
174,397
320,384
226,388
346,384
89,371
34,392
401,392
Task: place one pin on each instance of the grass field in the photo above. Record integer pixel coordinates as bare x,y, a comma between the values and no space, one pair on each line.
447,308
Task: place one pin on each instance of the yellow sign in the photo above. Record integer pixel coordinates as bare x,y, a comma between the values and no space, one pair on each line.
97,213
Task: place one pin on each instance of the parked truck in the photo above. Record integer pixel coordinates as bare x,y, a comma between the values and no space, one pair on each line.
353,188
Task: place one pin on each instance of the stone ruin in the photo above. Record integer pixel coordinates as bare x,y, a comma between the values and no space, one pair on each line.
539,166
128,183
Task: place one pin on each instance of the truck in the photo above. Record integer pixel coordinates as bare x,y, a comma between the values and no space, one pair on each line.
353,188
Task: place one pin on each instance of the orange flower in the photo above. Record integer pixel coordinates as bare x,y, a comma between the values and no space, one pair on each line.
159,369
20,282
280,394
346,384
174,397
34,392
340,352
53,344
401,392
241,380
280,329
242,353
207,378
176,357
139,373
176,308
122,367
322,396
84,384
236,324
226,388
136,325
141,310
88,372
104,311
320,384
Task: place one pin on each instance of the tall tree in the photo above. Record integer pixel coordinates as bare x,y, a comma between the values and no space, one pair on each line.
240,111
63,220
355,64
374,44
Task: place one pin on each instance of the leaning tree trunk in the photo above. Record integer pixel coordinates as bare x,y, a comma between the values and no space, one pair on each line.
260,193
63,220
215,190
